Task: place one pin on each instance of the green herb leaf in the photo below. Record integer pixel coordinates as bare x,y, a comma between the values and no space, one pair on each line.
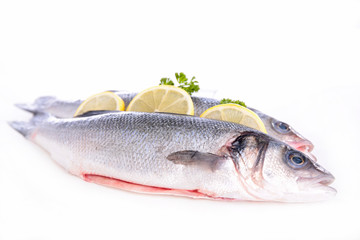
166,81
183,81
228,100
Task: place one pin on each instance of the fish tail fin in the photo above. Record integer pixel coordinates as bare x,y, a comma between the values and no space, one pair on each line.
27,128
24,128
26,107
40,104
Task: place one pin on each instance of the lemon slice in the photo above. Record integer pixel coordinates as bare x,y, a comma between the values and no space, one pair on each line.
162,98
235,113
101,101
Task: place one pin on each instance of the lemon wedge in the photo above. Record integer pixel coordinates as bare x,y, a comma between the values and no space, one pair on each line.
162,98
235,113
101,101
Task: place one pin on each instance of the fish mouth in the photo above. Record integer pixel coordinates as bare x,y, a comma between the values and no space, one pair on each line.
325,180
315,189
321,183
304,146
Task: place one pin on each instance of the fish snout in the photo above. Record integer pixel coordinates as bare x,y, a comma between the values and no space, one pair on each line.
318,188
325,180
322,178
303,145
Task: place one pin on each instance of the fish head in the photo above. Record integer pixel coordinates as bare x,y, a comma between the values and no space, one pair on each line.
286,133
272,170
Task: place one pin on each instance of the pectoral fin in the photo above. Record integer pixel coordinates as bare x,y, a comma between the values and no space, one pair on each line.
208,160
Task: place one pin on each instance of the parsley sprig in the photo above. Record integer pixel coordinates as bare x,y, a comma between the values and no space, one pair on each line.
183,82
166,81
228,100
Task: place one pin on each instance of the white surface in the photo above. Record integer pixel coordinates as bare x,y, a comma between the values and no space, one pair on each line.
296,60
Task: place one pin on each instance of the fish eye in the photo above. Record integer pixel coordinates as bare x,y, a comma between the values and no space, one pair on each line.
281,127
295,159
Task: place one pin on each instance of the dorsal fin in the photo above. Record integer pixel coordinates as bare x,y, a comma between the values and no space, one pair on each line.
99,112
176,114
94,113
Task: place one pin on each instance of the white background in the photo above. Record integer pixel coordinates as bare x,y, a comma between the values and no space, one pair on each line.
298,61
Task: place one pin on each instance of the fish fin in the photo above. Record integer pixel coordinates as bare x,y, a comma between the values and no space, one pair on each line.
26,107
27,128
99,112
134,187
40,104
190,157
24,128
176,114
94,113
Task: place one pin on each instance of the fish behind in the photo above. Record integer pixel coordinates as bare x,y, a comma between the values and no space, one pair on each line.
178,155
275,128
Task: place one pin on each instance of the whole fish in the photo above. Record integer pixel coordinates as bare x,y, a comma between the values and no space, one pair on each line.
275,128
178,155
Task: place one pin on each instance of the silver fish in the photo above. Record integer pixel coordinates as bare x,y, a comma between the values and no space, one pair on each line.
179,155
275,128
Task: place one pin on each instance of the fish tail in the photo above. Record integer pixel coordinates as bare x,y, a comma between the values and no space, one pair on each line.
24,128
27,107
27,128
40,104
